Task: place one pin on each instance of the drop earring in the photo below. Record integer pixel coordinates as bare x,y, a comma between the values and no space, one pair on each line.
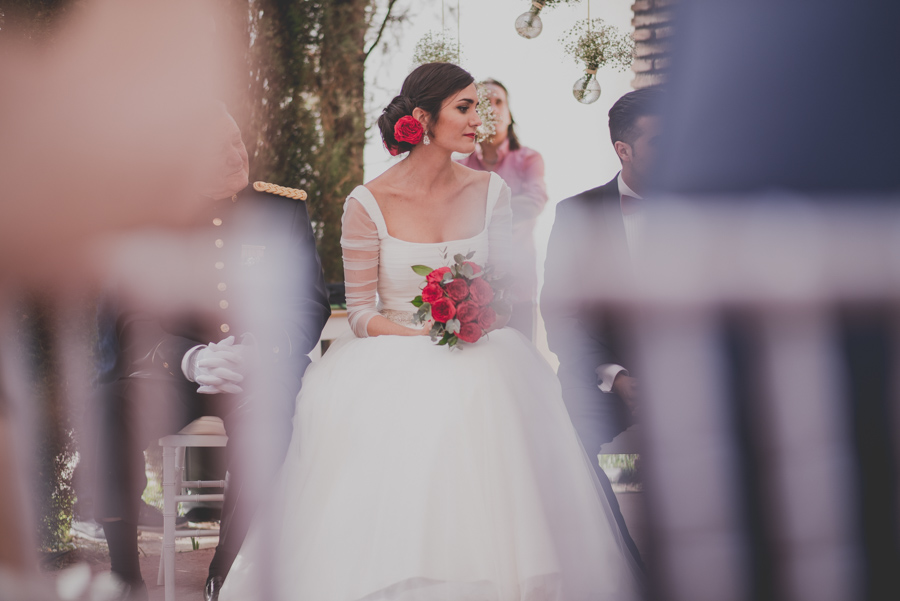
425,139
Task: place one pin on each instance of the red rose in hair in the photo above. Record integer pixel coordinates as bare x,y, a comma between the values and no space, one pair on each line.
437,275
443,310
408,129
476,268
487,317
468,311
457,289
481,292
391,149
469,332
432,292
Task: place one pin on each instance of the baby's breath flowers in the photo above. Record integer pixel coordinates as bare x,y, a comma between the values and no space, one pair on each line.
596,44
436,47
488,128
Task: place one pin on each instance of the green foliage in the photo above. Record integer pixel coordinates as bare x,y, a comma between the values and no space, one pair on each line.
422,270
624,461
55,444
304,122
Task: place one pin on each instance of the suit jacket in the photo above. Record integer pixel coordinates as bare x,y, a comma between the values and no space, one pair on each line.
587,241
258,272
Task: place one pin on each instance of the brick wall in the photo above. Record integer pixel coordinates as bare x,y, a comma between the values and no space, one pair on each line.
652,29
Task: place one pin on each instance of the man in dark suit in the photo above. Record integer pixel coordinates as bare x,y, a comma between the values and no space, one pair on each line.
238,353
595,231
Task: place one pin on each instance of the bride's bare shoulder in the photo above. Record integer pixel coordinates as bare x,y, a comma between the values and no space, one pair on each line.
472,177
382,185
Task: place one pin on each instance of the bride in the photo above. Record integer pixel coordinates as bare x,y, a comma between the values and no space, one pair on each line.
417,472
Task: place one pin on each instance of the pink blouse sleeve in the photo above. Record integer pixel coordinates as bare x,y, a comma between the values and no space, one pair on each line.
532,196
360,244
500,232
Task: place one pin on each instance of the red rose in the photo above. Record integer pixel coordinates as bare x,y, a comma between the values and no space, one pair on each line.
486,318
408,129
432,292
481,292
457,289
392,149
437,275
476,268
469,332
443,310
467,311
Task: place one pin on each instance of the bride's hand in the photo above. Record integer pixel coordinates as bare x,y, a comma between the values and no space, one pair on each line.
426,328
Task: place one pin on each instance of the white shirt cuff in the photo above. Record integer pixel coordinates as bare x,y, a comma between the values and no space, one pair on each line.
606,375
186,361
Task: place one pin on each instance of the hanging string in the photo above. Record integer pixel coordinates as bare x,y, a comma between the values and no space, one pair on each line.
458,26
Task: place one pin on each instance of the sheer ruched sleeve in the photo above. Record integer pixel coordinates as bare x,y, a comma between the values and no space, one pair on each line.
360,244
500,232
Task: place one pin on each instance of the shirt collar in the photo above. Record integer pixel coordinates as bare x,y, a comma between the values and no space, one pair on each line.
624,190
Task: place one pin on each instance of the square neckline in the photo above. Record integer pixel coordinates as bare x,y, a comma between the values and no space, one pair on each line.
487,214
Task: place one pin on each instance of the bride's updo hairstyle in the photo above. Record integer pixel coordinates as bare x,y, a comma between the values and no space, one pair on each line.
427,87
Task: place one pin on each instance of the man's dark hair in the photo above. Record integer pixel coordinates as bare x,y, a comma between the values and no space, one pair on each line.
628,109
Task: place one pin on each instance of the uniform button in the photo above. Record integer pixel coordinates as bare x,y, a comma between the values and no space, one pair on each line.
221,286
275,349
220,243
223,304
225,327
220,265
217,221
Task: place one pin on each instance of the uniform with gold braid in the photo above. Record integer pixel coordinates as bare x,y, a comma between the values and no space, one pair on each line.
294,193
258,278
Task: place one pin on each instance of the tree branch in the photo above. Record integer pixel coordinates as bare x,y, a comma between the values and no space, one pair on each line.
384,23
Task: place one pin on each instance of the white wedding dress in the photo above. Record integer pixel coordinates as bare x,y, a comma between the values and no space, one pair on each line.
421,473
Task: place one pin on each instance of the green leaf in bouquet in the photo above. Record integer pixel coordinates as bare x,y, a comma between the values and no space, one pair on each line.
467,271
417,302
423,314
436,330
443,340
453,341
453,326
470,254
422,270
459,258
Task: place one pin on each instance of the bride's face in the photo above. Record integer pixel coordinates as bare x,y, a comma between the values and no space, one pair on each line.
455,127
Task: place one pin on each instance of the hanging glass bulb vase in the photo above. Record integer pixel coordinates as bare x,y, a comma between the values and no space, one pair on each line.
587,89
529,24
596,44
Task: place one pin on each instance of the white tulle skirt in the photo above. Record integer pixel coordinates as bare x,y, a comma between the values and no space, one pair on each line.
417,473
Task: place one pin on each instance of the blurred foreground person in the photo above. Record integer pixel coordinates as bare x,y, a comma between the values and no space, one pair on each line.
103,131
522,169
419,471
766,306
600,229
241,358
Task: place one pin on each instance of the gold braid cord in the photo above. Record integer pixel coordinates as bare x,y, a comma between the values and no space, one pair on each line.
279,190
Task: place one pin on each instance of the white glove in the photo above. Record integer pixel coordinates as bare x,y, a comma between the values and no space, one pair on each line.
215,367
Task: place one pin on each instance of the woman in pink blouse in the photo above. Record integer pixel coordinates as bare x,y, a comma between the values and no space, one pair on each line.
523,170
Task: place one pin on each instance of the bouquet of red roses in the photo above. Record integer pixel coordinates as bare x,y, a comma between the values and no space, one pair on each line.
463,300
